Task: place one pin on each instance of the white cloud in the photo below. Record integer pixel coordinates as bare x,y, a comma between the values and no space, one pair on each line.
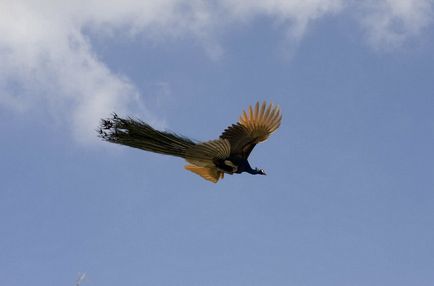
390,23
47,63
297,14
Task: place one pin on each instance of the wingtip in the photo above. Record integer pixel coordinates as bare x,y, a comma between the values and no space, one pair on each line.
260,116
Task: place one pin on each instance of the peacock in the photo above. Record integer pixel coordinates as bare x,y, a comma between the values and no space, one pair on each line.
211,159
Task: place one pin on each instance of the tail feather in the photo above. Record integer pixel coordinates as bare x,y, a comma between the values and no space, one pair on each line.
138,134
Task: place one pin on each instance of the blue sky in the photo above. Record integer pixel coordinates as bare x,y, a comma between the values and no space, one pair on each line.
349,192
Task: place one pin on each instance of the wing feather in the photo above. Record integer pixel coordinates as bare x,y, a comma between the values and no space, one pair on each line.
253,127
261,122
204,154
208,173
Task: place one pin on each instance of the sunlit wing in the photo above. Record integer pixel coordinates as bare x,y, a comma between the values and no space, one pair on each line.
204,154
201,157
208,173
253,127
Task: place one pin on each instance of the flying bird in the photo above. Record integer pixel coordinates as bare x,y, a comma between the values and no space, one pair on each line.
210,160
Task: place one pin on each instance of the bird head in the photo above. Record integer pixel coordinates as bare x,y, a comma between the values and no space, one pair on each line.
260,171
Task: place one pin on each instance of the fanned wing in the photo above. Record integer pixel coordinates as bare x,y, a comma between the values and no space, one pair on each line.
210,174
253,127
201,157
261,121
204,154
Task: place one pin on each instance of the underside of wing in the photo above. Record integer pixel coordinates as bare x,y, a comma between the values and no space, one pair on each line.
253,127
261,121
208,173
204,154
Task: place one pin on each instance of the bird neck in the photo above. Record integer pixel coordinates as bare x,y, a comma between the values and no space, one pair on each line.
255,172
250,170
244,166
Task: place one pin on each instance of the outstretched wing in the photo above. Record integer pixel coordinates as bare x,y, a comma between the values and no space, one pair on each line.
202,156
253,127
211,174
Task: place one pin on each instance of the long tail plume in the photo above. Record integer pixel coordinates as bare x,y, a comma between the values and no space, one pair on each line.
138,134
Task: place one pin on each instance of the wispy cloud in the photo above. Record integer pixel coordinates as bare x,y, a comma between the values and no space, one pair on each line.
294,15
391,23
48,63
